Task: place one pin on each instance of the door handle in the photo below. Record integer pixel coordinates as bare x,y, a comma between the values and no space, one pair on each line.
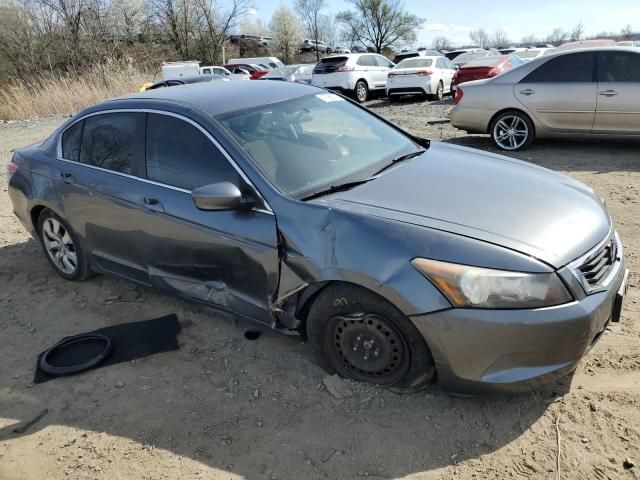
608,93
153,204
68,178
527,92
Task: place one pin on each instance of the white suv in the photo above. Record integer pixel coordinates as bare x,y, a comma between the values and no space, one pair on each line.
355,74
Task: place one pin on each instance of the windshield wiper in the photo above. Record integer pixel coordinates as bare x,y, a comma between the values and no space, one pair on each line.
401,158
335,188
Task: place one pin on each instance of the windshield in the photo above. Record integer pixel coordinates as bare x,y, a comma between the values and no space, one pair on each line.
415,63
308,144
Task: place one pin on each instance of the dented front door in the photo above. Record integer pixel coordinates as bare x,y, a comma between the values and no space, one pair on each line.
226,258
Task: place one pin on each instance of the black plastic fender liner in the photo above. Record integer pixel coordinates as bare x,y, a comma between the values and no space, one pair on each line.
76,354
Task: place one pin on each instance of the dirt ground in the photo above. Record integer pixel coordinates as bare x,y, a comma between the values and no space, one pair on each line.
224,407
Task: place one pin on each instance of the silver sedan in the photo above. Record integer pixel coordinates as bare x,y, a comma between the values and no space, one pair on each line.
592,92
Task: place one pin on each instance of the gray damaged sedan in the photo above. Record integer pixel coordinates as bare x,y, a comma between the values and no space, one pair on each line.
401,260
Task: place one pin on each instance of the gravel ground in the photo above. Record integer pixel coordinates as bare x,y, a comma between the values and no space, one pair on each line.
224,407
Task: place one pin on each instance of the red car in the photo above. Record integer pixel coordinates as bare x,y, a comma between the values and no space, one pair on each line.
485,67
254,71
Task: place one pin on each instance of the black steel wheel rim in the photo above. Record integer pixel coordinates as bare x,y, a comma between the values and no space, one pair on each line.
367,347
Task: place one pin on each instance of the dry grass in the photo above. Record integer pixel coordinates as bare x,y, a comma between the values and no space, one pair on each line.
52,94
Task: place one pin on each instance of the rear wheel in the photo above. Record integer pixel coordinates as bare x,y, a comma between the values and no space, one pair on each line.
439,92
62,247
361,91
512,131
359,335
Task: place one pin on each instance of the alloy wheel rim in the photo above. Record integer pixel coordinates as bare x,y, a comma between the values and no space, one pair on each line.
59,246
362,92
439,91
368,347
511,132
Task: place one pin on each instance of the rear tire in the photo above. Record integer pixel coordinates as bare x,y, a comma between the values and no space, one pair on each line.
512,131
63,248
361,92
436,97
359,335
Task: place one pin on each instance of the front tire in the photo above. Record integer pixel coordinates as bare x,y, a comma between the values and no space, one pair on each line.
361,336
512,131
361,92
62,247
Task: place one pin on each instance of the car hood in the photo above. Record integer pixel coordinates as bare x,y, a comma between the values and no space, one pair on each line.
489,197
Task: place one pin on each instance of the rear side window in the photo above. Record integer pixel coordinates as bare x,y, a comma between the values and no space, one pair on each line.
574,68
108,141
618,67
71,139
382,61
331,64
367,61
180,155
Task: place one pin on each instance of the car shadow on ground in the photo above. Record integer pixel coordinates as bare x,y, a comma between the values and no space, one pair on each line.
254,408
407,100
568,155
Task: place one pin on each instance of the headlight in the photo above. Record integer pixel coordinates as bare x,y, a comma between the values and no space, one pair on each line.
475,287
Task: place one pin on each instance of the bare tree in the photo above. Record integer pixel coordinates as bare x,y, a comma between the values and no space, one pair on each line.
480,37
442,43
309,11
286,29
216,23
500,39
380,23
328,29
557,36
626,33
577,32
528,40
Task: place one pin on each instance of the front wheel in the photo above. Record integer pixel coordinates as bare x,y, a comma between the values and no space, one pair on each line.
62,247
512,131
361,92
359,335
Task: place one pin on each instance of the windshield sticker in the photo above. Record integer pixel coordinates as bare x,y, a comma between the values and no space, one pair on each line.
329,97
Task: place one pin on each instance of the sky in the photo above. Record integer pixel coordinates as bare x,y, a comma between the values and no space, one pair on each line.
454,19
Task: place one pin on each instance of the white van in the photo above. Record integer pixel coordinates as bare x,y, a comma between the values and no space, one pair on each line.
177,70
269,62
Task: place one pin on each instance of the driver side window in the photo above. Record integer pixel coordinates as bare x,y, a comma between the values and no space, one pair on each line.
180,155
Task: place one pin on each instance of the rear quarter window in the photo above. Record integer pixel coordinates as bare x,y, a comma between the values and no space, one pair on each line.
71,140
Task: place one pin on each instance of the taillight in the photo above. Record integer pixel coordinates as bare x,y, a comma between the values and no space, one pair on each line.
459,94
344,69
492,73
424,73
12,168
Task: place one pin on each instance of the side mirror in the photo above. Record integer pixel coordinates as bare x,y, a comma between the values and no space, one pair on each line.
221,196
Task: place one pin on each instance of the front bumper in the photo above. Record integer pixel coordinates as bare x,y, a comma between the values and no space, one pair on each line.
506,351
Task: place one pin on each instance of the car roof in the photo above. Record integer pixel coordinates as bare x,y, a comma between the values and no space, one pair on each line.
223,97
